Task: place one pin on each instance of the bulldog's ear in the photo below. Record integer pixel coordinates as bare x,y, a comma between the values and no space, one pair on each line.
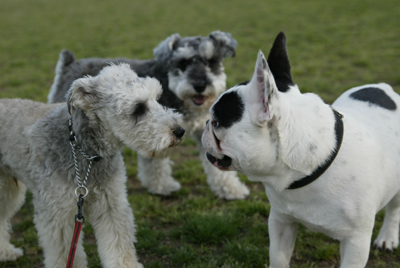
164,49
278,61
262,96
82,94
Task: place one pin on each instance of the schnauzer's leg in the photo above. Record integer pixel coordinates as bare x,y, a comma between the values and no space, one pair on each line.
225,184
354,251
388,237
112,219
155,175
282,237
55,221
12,196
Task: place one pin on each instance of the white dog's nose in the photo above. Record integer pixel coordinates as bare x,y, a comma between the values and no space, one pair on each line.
178,132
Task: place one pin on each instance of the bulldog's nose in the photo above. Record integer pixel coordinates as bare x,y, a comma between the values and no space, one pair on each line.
178,132
207,122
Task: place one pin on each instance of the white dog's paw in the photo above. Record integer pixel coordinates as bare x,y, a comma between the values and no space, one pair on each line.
387,240
228,187
140,265
164,187
9,252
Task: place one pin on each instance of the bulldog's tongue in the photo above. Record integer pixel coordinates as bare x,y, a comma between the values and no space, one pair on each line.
198,100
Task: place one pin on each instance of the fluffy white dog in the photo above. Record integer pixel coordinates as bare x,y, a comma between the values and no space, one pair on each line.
109,111
330,168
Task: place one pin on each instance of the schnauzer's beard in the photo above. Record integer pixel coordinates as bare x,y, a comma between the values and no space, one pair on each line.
181,86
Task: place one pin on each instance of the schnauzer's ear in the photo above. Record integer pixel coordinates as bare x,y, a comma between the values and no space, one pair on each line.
278,62
262,93
81,95
163,51
224,44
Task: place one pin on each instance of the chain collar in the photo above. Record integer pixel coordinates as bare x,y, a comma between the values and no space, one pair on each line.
81,190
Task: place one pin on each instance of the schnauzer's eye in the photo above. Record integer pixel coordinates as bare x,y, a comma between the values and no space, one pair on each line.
212,62
183,64
140,109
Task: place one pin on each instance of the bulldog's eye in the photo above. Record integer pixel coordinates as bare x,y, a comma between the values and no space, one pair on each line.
215,124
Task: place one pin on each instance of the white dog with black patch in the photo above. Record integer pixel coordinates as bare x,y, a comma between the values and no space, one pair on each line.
330,168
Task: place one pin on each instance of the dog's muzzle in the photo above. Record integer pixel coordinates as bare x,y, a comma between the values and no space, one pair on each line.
222,164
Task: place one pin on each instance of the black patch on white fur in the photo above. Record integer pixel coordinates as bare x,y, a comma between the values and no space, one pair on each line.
228,110
278,62
375,96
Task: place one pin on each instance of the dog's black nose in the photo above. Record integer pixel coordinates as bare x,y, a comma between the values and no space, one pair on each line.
178,132
199,87
207,122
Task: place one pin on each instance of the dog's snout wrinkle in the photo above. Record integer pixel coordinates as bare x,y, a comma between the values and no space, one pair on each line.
217,141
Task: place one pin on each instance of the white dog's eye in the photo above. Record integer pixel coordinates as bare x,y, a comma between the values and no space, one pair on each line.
215,124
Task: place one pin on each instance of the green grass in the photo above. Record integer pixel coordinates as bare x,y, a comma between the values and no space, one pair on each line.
333,45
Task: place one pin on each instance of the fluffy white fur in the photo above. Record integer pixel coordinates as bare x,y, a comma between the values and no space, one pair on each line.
35,151
284,136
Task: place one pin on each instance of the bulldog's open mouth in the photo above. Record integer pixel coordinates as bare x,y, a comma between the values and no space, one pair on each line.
222,164
199,99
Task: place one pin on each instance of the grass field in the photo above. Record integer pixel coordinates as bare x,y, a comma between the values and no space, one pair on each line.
333,45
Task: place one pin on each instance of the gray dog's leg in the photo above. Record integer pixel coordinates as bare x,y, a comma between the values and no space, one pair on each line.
12,196
225,184
112,219
55,227
156,175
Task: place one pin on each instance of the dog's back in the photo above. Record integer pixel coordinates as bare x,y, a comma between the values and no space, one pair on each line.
68,70
16,121
372,118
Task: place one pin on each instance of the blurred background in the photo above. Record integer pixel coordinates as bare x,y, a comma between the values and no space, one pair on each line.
333,46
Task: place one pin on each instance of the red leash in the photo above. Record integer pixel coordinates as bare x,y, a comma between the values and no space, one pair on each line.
77,232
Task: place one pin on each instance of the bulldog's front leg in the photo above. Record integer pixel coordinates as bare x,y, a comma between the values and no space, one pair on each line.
282,236
354,251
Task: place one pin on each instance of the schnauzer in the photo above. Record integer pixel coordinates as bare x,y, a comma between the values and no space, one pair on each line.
330,168
191,73
37,149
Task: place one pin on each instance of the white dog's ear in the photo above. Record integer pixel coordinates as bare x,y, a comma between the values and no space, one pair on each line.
82,94
262,93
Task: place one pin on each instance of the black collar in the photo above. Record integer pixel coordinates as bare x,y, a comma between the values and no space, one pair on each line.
321,169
